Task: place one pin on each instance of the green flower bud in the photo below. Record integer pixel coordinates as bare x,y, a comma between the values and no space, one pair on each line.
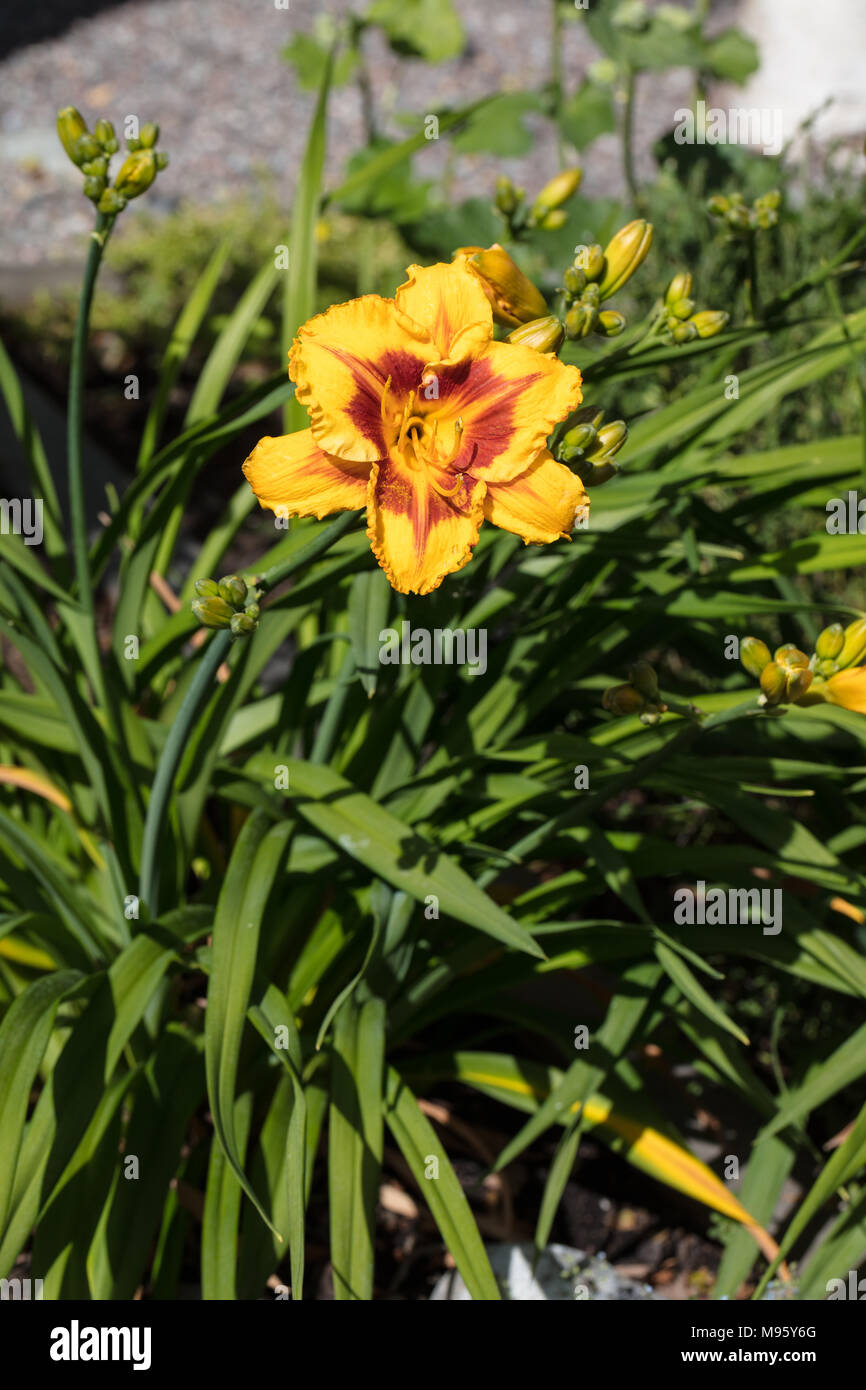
574,281
590,259
544,334
206,588
609,440
96,168
738,218
580,321
679,288
830,642
644,680
507,196
233,590
253,611
104,132
591,296
212,612
611,323
622,699
754,655
718,205
242,623
137,173
111,202
773,683
576,441
94,188
798,683
624,254
684,332
133,143
854,644
682,308
148,135
709,322
552,221
161,159
558,191
71,126
86,148
826,668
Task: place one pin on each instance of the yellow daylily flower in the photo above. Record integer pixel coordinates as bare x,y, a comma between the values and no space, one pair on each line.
419,416
846,688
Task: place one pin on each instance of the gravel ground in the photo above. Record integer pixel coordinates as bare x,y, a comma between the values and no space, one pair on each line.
227,104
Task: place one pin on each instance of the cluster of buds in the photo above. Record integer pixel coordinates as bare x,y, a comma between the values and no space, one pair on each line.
548,210
91,152
590,446
742,219
680,318
228,602
789,673
640,695
598,273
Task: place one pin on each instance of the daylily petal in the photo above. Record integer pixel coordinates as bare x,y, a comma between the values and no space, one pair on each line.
448,302
417,536
290,474
340,362
509,399
540,505
846,688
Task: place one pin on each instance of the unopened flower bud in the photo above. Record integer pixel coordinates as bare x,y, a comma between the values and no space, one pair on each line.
111,202
212,612
576,441
574,281
557,192
544,335
622,699
96,168
609,440
233,590
798,683
71,126
854,644
791,657
830,642
580,320
682,308
773,683
513,297
683,332
94,188
624,254
137,173
252,610
611,323
242,623
104,132
755,655
552,221
86,148
709,322
590,259
679,288
644,679
507,196
160,159
148,135
206,588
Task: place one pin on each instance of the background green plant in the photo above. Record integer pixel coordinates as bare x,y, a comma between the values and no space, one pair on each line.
298,913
